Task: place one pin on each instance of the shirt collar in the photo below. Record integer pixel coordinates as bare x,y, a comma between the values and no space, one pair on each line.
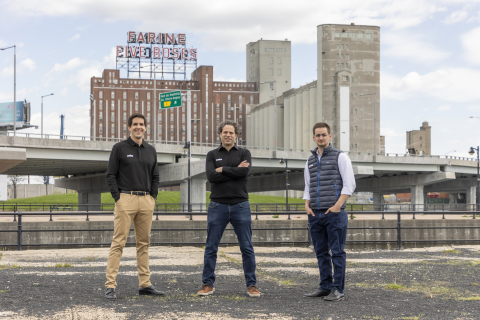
222,147
133,143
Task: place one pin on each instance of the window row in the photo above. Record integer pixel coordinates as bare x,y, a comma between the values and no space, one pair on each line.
276,50
279,60
359,35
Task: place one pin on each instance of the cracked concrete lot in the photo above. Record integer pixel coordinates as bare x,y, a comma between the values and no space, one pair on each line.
429,283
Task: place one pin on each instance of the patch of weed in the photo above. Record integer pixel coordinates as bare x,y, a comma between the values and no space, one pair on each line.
474,284
275,216
15,266
373,317
394,286
231,259
235,297
288,282
3,291
3,266
63,265
469,298
451,251
1,255
92,258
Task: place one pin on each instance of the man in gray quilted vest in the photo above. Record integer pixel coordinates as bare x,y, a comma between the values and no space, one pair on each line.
329,181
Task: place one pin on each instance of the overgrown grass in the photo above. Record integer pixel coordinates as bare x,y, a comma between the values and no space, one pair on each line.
394,286
451,251
15,266
469,298
235,297
91,258
1,255
3,291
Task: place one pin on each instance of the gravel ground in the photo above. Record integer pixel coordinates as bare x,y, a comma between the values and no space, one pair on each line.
429,283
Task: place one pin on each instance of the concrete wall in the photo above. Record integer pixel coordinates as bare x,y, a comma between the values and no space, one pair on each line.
177,237
34,190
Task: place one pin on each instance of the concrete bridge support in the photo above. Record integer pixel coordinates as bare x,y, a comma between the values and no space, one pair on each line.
89,201
378,201
418,199
471,198
198,188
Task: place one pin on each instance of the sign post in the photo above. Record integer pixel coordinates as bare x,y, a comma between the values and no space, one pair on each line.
170,100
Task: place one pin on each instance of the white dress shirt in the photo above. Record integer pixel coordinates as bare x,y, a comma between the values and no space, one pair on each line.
346,171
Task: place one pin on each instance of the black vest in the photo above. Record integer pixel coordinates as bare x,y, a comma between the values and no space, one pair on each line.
325,180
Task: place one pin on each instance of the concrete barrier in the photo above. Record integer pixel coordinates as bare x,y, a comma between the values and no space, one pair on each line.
98,235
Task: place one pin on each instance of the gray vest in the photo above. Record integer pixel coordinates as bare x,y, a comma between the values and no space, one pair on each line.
325,180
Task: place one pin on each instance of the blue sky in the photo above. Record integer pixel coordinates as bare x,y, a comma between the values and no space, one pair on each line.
430,54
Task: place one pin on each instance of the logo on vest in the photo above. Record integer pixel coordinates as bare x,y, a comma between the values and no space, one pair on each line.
310,166
218,159
129,155
327,161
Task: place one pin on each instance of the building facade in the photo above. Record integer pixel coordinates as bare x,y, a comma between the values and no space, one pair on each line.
346,95
269,61
114,99
419,142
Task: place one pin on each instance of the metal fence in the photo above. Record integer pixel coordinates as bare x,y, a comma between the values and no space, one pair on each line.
396,239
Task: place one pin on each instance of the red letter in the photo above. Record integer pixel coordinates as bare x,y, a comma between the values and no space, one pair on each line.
175,53
119,51
160,38
133,53
151,37
170,38
193,54
131,36
156,52
141,37
184,53
166,53
142,52
181,38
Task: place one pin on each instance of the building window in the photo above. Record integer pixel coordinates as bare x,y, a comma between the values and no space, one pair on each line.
347,57
338,55
112,117
368,35
124,116
195,130
171,131
353,35
195,107
124,105
113,129
148,117
355,128
100,94
229,101
100,116
279,60
251,99
343,65
271,60
113,105
343,56
194,97
337,34
183,118
148,105
240,120
136,95
124,94
356,79
100,105
183,130
124,129
148,95
218,108
160,118
346,47
346,64
343,46
218,118
355,111
136,105
359,35
338,65
148,130
344,34
279,71
100,128
113,94
171,118
271,71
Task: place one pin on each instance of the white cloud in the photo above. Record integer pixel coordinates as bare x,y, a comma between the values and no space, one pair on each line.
64,91
83,76
412,48
70,65
225,29
75,37
455,17
471,45
26,64
449,84
444,108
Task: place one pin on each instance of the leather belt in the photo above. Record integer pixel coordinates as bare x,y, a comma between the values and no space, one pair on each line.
135,193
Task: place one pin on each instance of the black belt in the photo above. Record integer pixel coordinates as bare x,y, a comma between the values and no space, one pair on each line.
135,193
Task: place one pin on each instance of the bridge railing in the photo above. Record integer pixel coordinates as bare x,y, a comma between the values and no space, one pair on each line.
395,236
205,144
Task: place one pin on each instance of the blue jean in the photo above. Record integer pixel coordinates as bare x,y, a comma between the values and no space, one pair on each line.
329,231
219,215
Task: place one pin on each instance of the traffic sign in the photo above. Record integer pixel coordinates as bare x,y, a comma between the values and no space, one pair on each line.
170,100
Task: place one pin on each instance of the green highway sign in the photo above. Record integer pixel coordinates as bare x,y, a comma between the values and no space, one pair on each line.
170,100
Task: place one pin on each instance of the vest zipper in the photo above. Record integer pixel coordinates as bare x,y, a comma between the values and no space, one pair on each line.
318,180
336,191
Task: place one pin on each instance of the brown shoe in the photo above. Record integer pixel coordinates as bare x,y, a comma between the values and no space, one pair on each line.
253,292
205,290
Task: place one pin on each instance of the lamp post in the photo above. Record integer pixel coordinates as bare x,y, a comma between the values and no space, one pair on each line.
14,87
282,161
374,120
275,103
188,145
471,152
41,133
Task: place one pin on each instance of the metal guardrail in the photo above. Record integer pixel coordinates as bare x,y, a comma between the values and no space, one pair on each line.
398,229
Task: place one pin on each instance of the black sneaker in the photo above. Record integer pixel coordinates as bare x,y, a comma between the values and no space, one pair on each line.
318,293
335,295
110,293
150,291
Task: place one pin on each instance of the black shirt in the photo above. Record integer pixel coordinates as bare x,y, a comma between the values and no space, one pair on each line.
230,185
132,167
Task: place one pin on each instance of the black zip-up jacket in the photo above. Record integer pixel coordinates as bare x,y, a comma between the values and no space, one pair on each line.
133,167
230,185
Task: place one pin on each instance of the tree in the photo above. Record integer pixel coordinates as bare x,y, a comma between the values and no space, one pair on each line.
14,181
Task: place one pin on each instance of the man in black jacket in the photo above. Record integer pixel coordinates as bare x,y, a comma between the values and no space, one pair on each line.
227,169
133,179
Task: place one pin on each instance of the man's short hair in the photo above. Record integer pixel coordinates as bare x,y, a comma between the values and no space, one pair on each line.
227,123
321,125
136,115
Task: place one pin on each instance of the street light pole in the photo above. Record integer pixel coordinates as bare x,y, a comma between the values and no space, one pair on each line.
282,161
471,152
275,106
14,87
41,113
374,121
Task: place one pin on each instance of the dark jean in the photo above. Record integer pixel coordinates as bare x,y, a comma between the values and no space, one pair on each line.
329,231
219,215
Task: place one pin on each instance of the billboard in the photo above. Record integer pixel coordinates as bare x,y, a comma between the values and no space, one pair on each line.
6,114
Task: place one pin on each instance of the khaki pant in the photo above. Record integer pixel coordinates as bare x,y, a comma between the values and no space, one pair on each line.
138,209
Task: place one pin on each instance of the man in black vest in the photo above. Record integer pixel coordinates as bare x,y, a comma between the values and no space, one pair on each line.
329,181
